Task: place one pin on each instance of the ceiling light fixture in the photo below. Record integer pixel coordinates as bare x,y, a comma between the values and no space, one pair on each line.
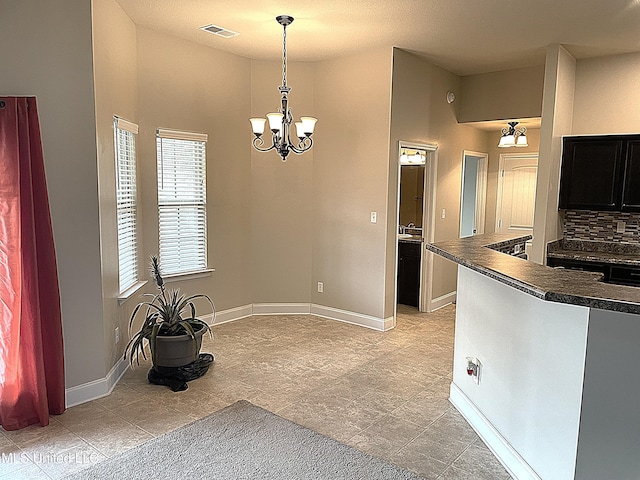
280,122
513,137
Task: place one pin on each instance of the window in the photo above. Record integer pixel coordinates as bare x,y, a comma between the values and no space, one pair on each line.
182,199
126,202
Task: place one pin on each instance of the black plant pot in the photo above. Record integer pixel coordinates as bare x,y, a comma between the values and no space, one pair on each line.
178,350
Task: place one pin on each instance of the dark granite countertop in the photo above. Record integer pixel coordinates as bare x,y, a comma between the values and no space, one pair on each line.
410,239
554,285
601,252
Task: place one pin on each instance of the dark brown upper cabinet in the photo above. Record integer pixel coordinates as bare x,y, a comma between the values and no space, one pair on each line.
600,173
631,191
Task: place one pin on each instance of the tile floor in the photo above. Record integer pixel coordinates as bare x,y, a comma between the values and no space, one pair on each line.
384,393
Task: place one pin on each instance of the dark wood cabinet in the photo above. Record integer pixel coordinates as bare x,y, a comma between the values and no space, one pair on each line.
631,191
409,256
600,173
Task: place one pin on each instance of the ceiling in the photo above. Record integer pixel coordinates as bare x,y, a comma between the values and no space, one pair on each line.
464,37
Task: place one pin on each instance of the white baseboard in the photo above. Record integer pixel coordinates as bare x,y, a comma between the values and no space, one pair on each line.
281,309
380,324
103,386
97,388
442,301
517,467
229,315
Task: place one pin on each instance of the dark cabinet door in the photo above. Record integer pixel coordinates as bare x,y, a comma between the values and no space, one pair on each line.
409,255
591,174
631,192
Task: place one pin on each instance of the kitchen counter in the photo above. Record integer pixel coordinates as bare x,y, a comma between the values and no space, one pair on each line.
554,285
601,252
402,237
552,397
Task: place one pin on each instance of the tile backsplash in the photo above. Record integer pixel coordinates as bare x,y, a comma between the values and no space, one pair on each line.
601,226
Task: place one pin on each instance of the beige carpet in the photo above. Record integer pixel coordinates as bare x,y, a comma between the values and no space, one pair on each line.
243,441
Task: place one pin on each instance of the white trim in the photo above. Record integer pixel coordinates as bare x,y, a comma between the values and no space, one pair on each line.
442,301
375,323
177,277
123,124
281,309
97,388
229,315
517,467
180,135
131,291
428,223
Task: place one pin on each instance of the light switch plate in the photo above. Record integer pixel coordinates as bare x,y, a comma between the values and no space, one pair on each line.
374,217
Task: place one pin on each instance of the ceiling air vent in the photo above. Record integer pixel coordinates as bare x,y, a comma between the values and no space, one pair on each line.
216,30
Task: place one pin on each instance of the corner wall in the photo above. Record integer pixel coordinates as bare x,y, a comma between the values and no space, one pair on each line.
49,55
421,114
557,117
116,93
350,178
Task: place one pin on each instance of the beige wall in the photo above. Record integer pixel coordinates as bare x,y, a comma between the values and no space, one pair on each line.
421,114
281,192
350,165
533,139
115,72
607,95
187,86
557,117
501,95
49,55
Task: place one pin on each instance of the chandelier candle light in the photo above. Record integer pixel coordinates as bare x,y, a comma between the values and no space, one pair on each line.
513,137
280,122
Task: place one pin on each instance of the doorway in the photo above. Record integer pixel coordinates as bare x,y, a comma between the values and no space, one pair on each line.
473,193
516,196
417,204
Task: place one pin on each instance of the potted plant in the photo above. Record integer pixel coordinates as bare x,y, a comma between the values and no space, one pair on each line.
170,326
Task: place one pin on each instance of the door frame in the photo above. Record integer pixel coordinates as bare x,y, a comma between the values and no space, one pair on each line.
428,222
500,181
481,189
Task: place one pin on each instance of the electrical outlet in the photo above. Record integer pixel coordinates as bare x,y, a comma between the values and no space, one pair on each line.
374,217
620,226
320,287
117,334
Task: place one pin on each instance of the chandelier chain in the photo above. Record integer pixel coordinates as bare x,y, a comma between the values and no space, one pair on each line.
284,56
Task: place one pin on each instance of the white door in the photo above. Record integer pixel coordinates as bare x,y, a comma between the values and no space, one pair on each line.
516,193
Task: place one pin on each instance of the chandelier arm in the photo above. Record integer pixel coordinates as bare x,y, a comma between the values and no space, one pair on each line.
259,141
303,145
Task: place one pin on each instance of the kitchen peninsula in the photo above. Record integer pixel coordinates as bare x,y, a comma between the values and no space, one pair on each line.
557,350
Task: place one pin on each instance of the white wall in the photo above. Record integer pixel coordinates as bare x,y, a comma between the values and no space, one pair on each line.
609,424
421,114
606,95
47,53
532,354
281,192
350,166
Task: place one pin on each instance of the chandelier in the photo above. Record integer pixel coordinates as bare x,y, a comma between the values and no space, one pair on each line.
513,137
280,122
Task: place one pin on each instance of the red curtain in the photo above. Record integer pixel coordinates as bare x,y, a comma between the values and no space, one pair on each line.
31,350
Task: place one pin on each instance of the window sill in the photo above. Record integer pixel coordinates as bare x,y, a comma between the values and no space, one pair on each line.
176,277
130,292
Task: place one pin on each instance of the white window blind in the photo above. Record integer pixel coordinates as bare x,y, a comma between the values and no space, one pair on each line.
126,202
182,199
